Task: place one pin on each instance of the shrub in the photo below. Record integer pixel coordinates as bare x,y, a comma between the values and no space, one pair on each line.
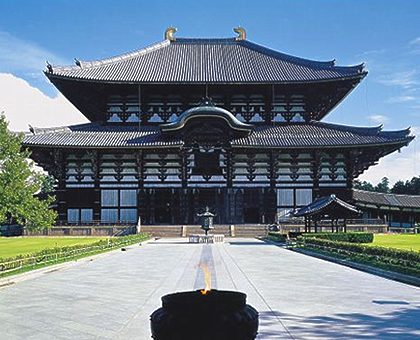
56,254
343,237
408,260
276,236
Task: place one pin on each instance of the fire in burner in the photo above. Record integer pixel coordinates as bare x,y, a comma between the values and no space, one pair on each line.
207,278
216,315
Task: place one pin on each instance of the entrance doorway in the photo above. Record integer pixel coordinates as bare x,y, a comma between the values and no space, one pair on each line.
163,207
252,211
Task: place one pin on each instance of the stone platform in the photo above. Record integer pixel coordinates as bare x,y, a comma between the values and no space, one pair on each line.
298,297
196,238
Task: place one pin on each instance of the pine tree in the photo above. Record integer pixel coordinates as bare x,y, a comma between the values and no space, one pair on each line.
19,184
383,186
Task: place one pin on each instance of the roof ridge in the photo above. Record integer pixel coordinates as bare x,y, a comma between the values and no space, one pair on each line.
374,129
294,59
54,129
384,194
370,129
197,40
299,60
116,58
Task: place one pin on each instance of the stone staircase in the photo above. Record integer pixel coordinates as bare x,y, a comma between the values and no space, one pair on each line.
251,230
241,230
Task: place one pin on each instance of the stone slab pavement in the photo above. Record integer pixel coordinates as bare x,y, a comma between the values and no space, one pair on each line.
297,296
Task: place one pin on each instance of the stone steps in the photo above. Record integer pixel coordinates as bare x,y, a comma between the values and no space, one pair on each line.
226,230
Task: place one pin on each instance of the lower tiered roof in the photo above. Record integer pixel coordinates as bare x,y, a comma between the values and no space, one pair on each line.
281,135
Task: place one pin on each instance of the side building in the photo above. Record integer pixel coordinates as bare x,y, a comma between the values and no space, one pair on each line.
189,123
397,211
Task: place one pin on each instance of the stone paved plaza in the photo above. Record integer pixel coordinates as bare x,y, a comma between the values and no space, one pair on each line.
298,297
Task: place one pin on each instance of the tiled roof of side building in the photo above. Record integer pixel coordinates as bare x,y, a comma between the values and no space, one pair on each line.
206,61
322,203
386,200
296,135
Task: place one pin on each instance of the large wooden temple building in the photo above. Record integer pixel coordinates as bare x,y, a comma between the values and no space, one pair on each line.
189,123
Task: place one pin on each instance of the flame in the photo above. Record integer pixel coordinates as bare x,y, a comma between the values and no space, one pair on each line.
207,278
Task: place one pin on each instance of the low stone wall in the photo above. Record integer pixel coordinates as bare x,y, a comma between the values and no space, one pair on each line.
238,230
84,231
366,228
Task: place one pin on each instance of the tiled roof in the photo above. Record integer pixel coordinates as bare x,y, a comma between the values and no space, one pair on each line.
281,135
386,200
325,203
320,134
206,60
97,135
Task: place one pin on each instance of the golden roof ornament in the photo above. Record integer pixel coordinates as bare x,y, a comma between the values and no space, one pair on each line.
241,33
169,33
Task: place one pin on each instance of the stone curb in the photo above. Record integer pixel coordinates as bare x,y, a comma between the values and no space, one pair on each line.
407,279
32,274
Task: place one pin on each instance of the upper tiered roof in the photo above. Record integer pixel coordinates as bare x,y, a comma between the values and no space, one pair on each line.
228,60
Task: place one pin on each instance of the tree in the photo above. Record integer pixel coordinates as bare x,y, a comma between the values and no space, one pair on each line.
399,188
19,183
363,185
47,186
383,186
413,187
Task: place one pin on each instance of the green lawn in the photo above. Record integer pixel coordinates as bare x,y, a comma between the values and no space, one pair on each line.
12,246
404,241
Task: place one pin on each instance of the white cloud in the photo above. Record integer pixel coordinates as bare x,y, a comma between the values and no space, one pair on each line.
415,41
24,104
397,166
18,55
378,118
414,46
401,99
415,130
405,79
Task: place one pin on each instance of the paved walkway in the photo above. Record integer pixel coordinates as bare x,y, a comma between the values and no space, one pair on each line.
298,297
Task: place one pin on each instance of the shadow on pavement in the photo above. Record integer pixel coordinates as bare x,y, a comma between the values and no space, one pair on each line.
403,324
248,243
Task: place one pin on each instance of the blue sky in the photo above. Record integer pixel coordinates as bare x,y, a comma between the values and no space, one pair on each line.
383,34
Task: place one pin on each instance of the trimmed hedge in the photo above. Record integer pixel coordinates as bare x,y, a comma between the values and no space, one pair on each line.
60,254
276,236
343,237
404,260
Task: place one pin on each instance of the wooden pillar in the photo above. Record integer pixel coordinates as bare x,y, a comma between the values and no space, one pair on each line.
142,194
59,172
184,154
345,225
219,213
152,202
350,173
316,174
95,164
401,217
229,168
196,207
261,195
